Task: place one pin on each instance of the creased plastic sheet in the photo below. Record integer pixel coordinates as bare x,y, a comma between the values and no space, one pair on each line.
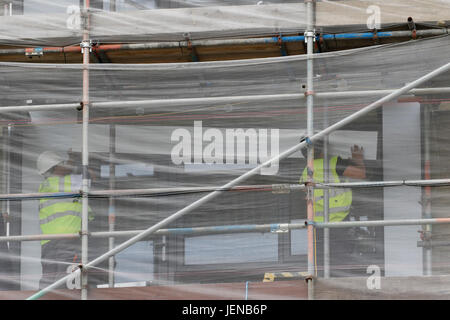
163,136
50,23
170,129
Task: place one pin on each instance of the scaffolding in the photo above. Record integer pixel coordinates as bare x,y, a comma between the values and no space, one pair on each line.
309,95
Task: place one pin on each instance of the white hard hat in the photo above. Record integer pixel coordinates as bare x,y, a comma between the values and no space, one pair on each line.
49,159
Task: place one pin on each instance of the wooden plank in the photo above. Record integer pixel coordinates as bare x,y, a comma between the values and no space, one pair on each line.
391,288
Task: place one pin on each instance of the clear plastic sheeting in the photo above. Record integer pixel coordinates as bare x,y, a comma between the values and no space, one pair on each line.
50,23
168,148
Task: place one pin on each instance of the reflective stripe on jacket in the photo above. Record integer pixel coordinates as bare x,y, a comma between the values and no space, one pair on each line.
340,199
59,215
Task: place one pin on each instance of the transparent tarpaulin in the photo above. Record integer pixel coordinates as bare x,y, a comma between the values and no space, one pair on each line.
50,23
163,136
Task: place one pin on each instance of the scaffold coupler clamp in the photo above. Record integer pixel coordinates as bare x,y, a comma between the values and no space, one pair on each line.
309,185
86,44
425,235
310,223
34,52
309,277
309,93
279,228
310,34
281,188
306,139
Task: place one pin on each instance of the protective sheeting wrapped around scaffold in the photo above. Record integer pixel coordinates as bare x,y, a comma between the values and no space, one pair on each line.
162,137
60,23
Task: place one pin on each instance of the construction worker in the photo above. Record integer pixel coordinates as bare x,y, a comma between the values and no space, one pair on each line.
58,216
340,201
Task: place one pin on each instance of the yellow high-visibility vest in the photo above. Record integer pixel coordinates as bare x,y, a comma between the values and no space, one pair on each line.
340,199
59,215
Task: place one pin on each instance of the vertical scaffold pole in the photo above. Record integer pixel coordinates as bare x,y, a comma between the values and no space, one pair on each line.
85,48
310,38
427,196
112,214
326,204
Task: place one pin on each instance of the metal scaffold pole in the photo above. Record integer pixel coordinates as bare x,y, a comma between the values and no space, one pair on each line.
111,214
229,229
211,196
350,36
326,205
86,48
223,99
310,38
426,229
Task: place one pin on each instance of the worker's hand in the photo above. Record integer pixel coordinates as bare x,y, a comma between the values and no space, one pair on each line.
357,152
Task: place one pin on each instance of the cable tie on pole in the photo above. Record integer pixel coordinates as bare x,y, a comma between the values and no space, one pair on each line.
309,93
280,40
81,106
375,36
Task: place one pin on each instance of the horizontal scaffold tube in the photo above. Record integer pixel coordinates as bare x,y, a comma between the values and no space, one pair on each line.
260,228
227,99
276,188
249,228
380,223
229,42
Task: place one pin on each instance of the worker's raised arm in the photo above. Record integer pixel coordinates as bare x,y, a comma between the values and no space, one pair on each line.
356,169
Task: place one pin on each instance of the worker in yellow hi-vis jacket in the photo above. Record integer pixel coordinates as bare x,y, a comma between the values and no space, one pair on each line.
340,200
58,216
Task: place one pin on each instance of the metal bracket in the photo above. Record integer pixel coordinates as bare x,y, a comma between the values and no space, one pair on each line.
34,52
310,34
281,188
279,228
87,44
376,39
83,233
425,235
